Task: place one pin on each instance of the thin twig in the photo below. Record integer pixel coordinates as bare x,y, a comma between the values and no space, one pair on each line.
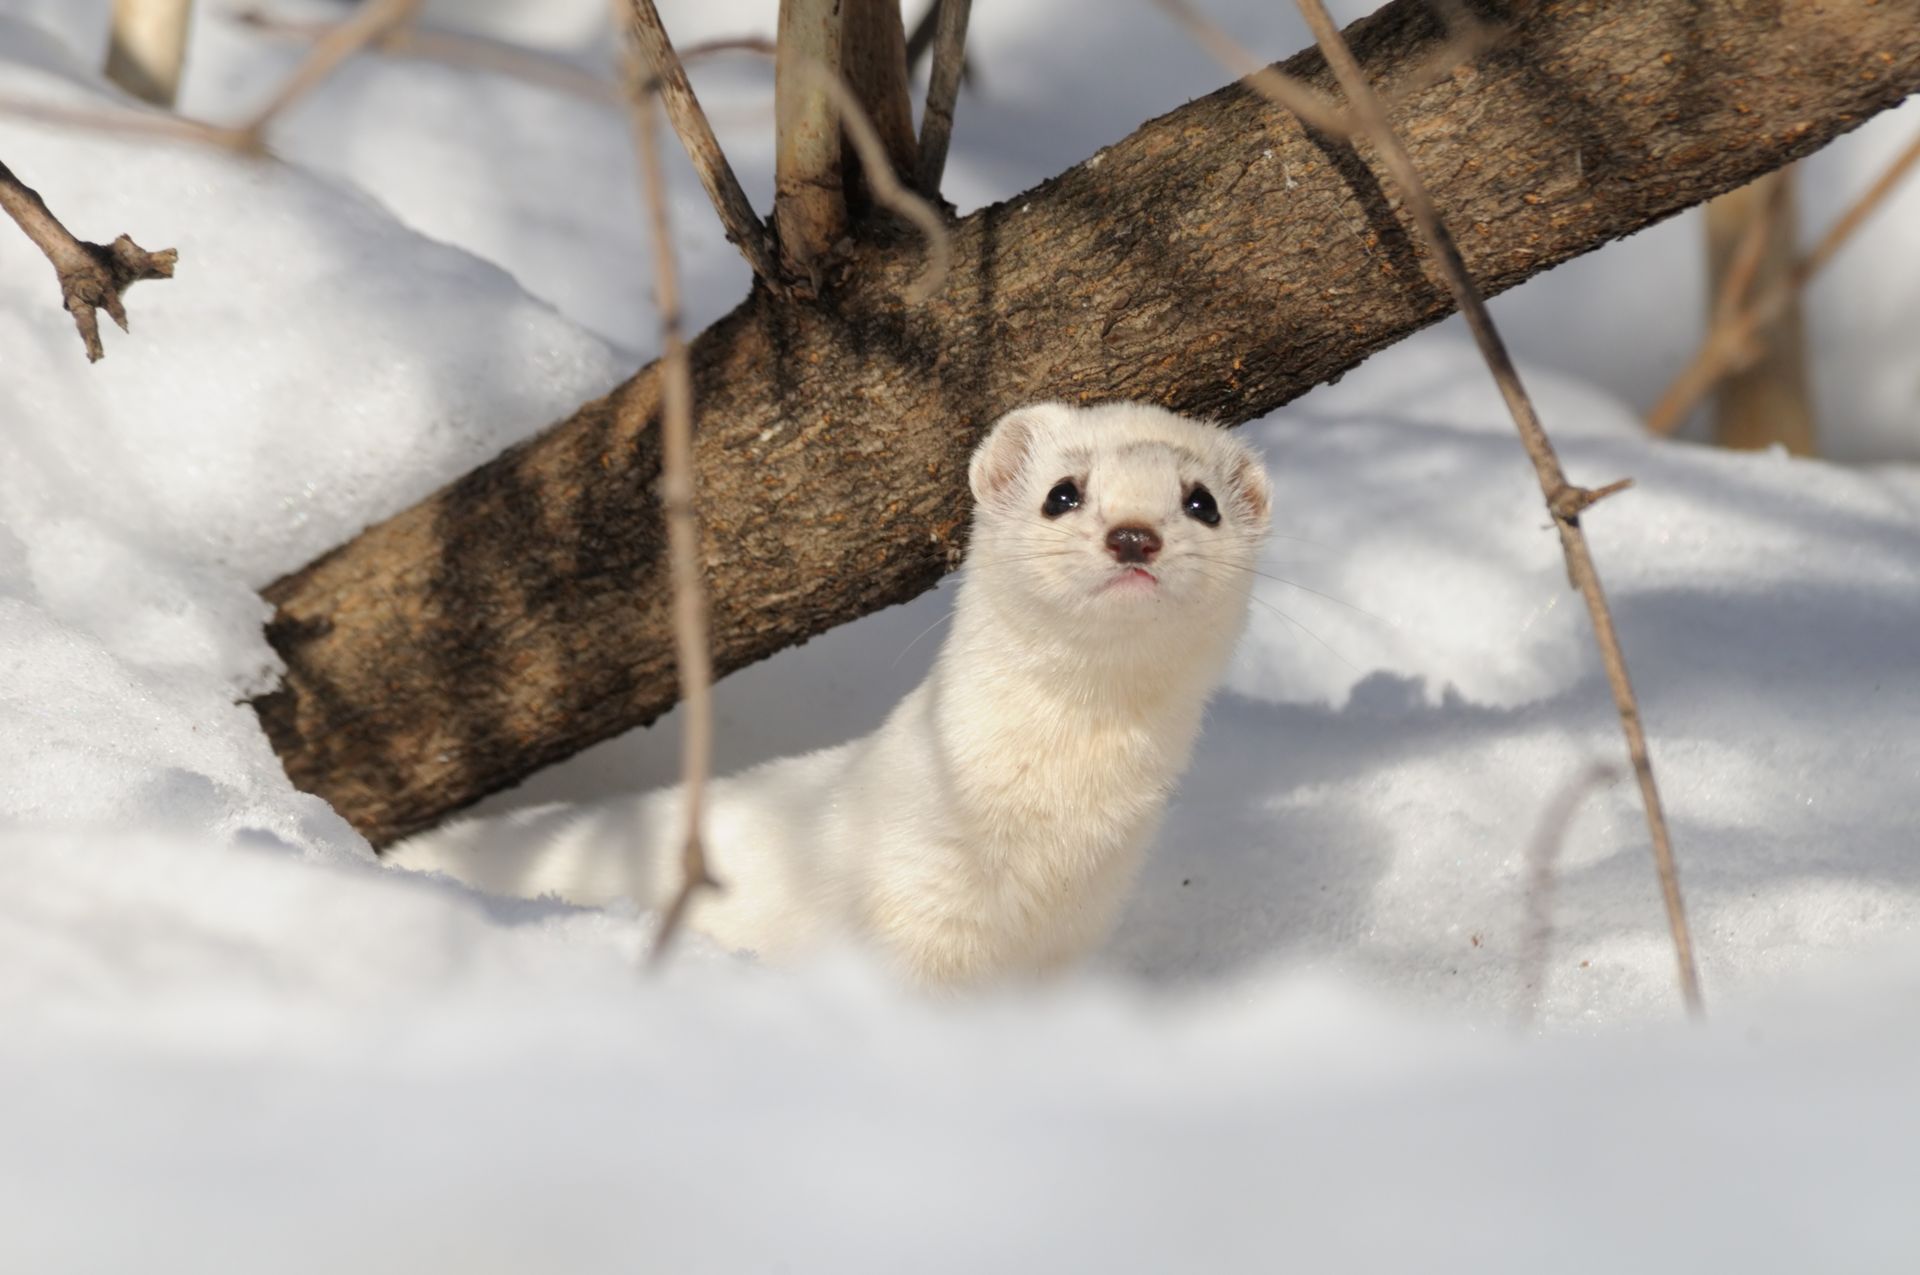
369,23
683,532
129,123
92,276
943,88
1368,111
920,42
457,48
1274,84
1744,265
1730,344
742,225
920,39
1542,857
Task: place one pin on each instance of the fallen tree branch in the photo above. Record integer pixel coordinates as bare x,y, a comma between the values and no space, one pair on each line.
92,276
1221,260
1563,498
1731,342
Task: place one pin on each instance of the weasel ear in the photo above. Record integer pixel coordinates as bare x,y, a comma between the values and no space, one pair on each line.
1004,452
1251,482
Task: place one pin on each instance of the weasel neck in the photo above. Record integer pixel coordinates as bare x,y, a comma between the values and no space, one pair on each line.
1054,730
1036,667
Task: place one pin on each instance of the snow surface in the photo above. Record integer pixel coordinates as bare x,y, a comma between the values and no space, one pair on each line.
1325,1036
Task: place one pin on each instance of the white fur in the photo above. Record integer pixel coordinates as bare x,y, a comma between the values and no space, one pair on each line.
993,824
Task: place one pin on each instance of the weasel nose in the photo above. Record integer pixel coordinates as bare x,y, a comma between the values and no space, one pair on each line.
1133,544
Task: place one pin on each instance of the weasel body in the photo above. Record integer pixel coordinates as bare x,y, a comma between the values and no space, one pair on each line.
992,825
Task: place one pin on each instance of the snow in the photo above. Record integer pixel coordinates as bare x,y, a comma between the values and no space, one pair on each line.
1324,1036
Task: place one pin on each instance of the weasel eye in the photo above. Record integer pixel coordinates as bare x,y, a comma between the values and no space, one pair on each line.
1200,506
1064,496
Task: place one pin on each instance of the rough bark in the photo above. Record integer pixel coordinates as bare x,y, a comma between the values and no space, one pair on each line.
1219,260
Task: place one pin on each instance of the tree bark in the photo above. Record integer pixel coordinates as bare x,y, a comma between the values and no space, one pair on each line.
1220,261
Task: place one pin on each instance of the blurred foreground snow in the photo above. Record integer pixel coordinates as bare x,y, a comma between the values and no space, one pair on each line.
230,1040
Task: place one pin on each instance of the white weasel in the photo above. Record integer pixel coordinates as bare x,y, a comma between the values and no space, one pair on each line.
992,825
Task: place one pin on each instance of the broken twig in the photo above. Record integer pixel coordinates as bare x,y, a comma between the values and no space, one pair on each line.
92,276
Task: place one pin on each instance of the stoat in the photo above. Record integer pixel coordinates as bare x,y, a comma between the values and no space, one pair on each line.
993,823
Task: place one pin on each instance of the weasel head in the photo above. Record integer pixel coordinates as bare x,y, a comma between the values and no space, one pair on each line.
1118,522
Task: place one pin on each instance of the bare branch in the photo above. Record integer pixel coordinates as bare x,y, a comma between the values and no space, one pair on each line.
873,64
885,188
371,21
1542,856
809,201
1371,115
943,89
692,652
920,43
92,276
147,46
1729,344
743,226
